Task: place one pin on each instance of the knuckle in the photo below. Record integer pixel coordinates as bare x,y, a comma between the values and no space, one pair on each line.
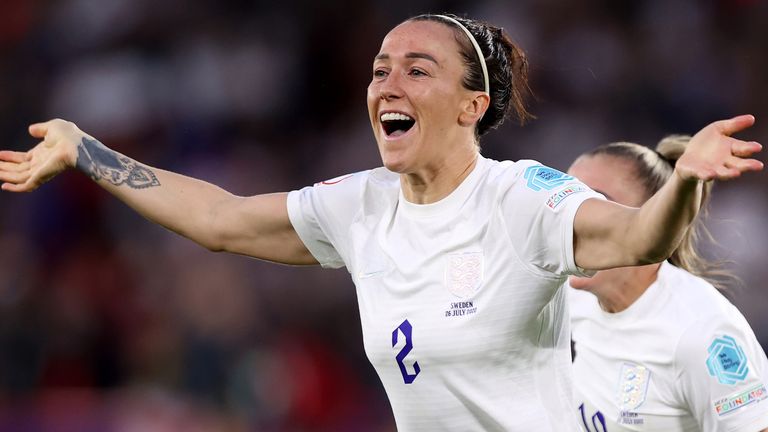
61,123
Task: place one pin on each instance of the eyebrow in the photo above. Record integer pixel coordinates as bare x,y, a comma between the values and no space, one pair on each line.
410,55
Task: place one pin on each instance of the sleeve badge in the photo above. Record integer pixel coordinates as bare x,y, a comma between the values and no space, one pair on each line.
726,361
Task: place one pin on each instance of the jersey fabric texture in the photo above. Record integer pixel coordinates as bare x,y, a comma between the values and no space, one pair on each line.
463,310
680,358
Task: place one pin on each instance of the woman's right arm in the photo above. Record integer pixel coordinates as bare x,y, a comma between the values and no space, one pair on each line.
256,226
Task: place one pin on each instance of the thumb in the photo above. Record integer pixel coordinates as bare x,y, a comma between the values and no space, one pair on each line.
39,130
735,124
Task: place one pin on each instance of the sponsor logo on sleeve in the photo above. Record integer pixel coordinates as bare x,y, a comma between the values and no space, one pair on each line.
558,197
726,361
540,177
732,403
633,387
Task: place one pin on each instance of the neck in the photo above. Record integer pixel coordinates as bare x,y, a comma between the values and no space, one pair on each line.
437,182
624,290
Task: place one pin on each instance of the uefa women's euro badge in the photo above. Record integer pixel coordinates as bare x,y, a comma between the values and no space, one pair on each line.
464,273
539,177
633,386
726,361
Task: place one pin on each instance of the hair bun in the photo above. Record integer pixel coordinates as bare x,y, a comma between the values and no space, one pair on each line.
671,147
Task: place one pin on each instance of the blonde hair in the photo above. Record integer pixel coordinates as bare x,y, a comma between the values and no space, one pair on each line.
652,169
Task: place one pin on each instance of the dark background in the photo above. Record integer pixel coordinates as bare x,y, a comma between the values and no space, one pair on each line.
108,322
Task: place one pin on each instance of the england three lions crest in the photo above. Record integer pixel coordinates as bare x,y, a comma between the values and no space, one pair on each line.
464,273
633,387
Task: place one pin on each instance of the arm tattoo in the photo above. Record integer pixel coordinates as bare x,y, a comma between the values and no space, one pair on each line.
99,162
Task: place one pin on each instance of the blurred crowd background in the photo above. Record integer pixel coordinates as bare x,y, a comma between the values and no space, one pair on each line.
109,323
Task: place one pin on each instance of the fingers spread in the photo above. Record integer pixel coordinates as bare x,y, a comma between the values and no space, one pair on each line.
24,187
14,167
744,165
745,148
14,177
733,125
14,156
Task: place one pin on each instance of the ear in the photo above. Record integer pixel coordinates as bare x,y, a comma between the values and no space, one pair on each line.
473,108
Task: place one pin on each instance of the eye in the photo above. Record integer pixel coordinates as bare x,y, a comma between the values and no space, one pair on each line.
379,73
417,72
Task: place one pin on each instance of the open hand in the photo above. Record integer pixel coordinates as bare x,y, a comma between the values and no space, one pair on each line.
712,154
26,171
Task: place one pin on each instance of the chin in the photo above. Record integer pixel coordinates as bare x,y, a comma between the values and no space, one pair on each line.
394,163
395,167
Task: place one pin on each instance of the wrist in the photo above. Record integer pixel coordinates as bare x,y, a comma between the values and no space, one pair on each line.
73,152
686,179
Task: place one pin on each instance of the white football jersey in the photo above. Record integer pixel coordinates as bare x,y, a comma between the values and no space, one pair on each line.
680,358
463,312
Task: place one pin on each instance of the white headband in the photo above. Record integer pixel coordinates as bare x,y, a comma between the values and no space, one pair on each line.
477,48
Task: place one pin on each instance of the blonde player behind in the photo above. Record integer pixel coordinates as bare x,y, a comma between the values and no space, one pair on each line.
657,347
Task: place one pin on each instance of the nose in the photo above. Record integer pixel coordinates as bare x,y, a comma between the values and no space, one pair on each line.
388,95
390,89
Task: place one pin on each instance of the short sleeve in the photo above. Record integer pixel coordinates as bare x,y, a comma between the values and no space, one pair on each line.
322,214
539,209
722,373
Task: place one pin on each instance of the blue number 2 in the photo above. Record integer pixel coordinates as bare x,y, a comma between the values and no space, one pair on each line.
597,418
407,330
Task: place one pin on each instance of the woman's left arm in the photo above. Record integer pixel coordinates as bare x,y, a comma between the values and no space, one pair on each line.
609,235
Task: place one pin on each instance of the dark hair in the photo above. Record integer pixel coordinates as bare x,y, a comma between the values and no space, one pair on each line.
507,69
653,169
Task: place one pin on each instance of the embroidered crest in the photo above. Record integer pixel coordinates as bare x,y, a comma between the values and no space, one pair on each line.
633,385
727,361
464,273
540,177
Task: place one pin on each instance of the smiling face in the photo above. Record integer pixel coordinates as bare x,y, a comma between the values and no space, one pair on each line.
416,102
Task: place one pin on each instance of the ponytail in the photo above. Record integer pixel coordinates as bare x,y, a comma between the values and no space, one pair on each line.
653,169
507,68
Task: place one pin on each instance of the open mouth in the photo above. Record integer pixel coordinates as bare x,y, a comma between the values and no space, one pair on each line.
396,124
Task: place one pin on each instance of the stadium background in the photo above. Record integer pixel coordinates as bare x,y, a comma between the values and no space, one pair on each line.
110,323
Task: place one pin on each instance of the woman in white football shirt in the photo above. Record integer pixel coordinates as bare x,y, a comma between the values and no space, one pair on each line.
458,260
657,347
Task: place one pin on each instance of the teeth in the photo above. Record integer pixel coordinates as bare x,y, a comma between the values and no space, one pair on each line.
394,116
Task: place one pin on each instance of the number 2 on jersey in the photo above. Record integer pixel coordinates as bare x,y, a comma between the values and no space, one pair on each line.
597,419
407,330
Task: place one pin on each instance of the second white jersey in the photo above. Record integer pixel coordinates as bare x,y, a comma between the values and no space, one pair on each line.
461,302
681,358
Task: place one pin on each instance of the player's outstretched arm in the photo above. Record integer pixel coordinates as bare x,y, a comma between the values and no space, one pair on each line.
609,235
256,226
